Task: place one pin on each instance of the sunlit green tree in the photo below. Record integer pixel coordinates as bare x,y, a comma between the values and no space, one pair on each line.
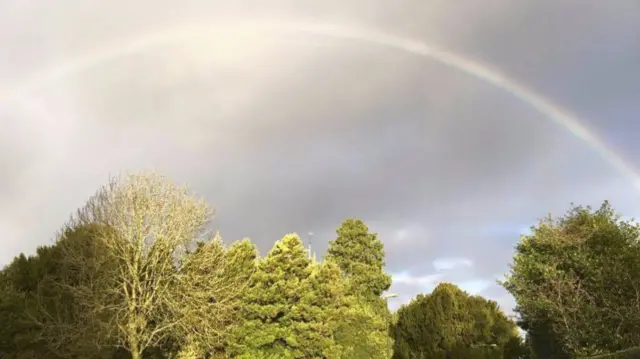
365,326
290,306
576,280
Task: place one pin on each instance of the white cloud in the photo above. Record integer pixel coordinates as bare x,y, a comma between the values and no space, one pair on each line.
475,286
425,281
444,264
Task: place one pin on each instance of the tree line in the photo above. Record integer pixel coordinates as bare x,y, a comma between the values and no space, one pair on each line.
138,273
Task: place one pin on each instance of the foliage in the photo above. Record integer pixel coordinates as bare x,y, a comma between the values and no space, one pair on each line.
290,306
136,289
207,297
137,274
576,280
144,222
241,260
40,288
360,256
363,330
451,323
18,335
242,257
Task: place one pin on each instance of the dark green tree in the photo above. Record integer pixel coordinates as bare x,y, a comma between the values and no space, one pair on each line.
449,323
360,256
576,281
37,300
18,334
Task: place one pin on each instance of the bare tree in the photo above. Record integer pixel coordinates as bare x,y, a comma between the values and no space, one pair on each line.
146,287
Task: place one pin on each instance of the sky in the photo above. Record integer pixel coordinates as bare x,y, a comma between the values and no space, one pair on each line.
285,131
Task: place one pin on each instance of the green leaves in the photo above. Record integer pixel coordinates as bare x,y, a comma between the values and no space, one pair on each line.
290,306
360,255
575,279
136,273
450,321
299,309
363,331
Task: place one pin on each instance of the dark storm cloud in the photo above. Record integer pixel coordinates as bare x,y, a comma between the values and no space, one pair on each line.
297,133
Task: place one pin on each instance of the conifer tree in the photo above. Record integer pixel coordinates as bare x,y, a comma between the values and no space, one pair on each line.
363,330
360,255
241,261
216,284
242,258
320,309
449,323
276,288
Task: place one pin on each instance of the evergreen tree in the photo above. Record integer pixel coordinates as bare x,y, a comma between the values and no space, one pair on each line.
363,330
360,255
320,309
213,297
450,323
242,257
241,261
277,311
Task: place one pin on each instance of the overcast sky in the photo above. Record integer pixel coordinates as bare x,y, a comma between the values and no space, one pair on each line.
285,131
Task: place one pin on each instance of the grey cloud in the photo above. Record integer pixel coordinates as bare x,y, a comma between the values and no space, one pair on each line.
297,133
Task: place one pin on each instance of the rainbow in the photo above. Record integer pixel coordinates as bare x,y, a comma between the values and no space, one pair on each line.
138,44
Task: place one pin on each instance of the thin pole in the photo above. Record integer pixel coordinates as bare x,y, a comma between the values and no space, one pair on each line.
310,237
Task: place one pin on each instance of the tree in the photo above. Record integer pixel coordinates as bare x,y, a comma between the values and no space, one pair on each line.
275,289
519,348
576,280
290,306
363,330
241,259
208,297
221,272
360,256
320,309
141,290
449,323
17,334
37,298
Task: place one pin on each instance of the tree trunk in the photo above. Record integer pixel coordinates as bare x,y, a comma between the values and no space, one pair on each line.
136,354
135,350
